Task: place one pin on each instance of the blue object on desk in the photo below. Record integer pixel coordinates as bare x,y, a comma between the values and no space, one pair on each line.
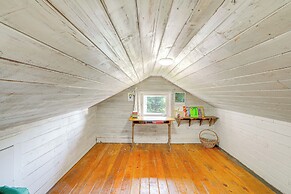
13,190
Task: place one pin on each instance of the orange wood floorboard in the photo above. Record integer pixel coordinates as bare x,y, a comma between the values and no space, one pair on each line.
151,168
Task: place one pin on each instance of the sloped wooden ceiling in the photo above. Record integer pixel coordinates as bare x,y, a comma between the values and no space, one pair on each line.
57,56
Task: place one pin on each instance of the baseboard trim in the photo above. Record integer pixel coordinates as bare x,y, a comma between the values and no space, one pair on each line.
232,158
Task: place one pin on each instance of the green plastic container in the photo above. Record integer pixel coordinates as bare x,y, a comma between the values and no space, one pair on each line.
194,112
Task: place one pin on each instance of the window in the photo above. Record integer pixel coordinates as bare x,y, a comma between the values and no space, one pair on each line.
155,104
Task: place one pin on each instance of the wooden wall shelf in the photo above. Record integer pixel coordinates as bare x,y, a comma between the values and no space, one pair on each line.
210,119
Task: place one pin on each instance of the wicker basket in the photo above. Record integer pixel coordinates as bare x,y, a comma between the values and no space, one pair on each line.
207,142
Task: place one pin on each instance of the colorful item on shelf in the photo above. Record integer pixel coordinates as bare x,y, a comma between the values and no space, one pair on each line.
185,111
194,112
134,114
201,113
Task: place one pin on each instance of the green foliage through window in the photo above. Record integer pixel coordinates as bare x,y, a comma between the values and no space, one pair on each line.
156,104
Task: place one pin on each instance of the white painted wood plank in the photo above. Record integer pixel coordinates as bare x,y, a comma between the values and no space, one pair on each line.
261,93
202,12
232,39
43,113
119,108
40,21
6,167
268,49
269,160
49,150
189,52
26,73
272,85
153,16
91,20
276,68
36,53
266,99
181,12
123,15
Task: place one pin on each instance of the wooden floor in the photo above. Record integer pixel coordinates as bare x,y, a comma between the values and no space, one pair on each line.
151,168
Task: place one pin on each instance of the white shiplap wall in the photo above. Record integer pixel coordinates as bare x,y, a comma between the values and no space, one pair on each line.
45,150
113,115
262,144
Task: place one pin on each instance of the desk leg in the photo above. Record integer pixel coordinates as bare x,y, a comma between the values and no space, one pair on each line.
169,136
132,135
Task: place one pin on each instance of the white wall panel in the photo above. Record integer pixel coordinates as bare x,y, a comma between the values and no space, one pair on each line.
45,150
262,144
113,115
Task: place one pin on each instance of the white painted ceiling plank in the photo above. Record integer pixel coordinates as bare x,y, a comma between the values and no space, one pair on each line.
265,67
24,73
153,17
271,100
228,43
43,26
65,55
223,12
42,56
90,18
272,48
181,12
202,12
9,98
270,85
28,118
280,115
123,15
248,93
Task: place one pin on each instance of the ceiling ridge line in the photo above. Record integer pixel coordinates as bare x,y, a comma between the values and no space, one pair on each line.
119,38
170,70
204,37
137,18
242,32
162,38
195,7
153,41
117,66
58,51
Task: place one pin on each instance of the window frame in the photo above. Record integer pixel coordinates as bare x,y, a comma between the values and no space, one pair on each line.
143,94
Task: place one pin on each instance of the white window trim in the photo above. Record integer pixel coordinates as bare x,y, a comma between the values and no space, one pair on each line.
141,105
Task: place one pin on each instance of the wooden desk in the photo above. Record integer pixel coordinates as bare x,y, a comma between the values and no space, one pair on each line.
210,119
154,121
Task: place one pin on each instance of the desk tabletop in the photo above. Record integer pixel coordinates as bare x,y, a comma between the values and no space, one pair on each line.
152,118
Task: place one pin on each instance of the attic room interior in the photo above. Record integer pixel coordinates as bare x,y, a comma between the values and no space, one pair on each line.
145,96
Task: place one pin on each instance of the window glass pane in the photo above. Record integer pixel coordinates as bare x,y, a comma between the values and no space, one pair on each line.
155,104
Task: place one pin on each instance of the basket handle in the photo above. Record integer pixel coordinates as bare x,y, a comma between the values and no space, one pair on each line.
210,131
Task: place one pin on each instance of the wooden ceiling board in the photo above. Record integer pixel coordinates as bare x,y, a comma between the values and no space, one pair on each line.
201,13
41,23
270,49
271,69
153,16
190,51
60,56
123,15
224,47
92,21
